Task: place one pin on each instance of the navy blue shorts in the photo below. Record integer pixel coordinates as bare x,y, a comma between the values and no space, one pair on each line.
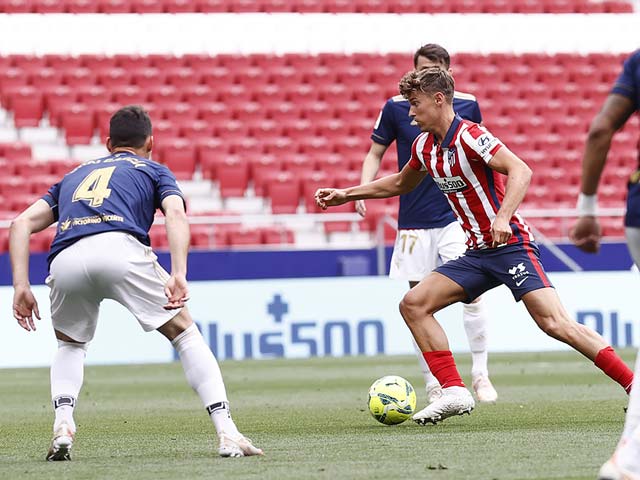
517,266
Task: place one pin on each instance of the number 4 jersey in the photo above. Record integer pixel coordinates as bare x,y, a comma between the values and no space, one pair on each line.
120,192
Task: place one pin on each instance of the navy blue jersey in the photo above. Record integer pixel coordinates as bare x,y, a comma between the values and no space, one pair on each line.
425,206
120,192
628,85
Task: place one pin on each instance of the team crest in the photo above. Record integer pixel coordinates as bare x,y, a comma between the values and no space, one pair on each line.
451,156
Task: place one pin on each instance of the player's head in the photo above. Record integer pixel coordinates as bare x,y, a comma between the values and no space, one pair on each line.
431,55
430,93
130,127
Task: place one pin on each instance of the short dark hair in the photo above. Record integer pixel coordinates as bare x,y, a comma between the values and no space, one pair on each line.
433,52
429,80
129,127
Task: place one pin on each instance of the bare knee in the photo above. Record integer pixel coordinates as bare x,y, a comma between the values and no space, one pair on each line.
413,308
176,325
558,327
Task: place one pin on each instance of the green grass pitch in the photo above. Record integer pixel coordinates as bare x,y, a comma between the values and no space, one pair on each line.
557,417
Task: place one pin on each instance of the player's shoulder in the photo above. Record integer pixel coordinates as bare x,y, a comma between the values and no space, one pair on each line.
464,96
397,99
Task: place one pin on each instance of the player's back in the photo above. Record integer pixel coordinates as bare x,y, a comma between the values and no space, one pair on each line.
119,192
424,207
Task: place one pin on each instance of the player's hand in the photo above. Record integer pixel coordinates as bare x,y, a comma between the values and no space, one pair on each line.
586,234
25,307
500,232
330,197
177,292
361,208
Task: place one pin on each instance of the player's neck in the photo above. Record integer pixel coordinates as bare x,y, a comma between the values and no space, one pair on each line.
133,151
441,129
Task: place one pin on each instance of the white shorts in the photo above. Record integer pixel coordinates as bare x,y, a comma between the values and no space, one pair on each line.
418,251
110,265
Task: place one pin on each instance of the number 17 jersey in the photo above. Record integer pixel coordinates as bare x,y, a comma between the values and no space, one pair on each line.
120,192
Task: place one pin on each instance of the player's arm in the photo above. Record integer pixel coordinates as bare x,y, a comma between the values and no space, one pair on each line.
390,186
615,112
177,226
34,219
518,177
370,168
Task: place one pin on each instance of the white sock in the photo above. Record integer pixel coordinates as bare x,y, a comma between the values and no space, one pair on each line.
628,456
67,375
204,376
475,326
632,421
429,378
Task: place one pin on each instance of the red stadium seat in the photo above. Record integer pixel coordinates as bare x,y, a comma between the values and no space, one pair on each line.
79,124
283,188
179,155
277,236
233,176
259,170
244,236
27,104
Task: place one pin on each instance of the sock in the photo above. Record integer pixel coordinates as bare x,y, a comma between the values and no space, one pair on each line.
203,374
444,368
475,326
221,417
67,375
429,378
632,420
612,365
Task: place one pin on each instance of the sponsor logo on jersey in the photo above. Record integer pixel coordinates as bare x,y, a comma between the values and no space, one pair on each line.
487,142
450,184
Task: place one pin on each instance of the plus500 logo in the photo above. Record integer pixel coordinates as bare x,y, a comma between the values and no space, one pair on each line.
608,324
296,338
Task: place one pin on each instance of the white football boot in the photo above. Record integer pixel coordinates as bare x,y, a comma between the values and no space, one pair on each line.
434,392
61,444
237,447
482,386
454,401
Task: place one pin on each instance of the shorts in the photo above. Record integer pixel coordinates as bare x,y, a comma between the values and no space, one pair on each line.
517,266
111,265
417,252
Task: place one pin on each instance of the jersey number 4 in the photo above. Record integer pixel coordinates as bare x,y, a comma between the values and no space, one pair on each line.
95,187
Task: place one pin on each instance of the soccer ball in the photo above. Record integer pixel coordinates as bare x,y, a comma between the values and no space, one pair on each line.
391,400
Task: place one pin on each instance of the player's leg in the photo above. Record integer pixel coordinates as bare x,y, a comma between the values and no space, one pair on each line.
141,291
451,245
418,306
74,316
627,455
414,256
546,309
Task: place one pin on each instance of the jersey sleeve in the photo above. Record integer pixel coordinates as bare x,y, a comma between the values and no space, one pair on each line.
479,143
166,185
415,161
628,81
384,130
52,197
476,115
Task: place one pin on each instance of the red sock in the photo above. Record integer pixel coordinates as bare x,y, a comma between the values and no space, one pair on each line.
444,368
610,363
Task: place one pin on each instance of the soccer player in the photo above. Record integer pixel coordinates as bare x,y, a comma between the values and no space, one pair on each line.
464,160
104,210
621,103
428,233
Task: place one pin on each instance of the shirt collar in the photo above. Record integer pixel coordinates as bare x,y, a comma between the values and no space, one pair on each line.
451,132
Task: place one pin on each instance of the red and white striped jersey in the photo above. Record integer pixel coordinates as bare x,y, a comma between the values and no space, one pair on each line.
459,166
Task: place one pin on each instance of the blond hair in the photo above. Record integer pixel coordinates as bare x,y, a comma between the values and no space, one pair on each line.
429,80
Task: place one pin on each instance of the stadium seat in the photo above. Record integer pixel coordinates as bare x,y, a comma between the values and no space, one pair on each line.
27,104
78,122
283,189
232,174
179,154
